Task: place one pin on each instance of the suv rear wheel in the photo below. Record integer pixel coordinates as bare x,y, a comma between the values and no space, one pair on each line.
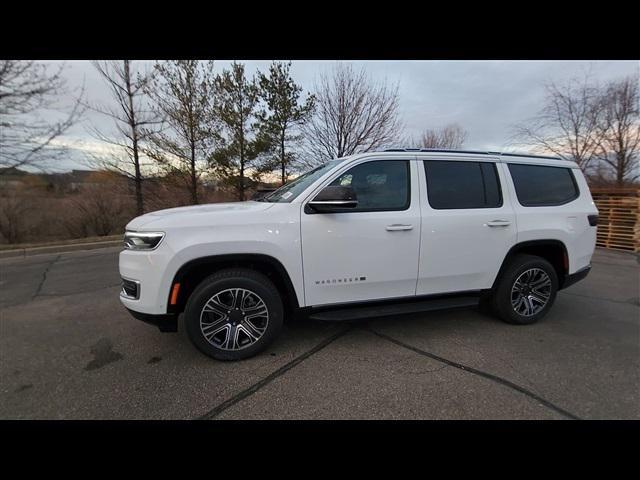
234,314
526,290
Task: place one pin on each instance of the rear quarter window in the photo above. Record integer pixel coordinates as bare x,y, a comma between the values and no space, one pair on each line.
543,186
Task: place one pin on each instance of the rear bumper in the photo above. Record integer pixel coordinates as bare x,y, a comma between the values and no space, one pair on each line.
575,277
165,322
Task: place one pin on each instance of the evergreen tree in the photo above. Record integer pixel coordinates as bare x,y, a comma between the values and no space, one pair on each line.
240,152
182,92
283,114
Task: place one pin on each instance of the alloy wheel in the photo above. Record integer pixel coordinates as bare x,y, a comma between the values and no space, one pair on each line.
234,319
531,292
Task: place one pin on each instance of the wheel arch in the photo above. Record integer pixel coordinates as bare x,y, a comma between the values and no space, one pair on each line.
554,251
190,274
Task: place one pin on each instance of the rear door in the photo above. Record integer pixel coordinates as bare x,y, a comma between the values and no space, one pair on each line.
370,252
468,224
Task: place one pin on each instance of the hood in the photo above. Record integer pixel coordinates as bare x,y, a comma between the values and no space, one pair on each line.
171,216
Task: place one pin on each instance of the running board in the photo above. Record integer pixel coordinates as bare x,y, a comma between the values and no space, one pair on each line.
354,313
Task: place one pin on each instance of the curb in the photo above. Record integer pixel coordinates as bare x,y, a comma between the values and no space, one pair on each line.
28,252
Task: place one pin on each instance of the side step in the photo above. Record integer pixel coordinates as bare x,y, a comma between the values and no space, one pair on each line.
354,313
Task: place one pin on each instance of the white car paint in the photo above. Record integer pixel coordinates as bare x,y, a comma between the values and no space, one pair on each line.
567,223
443,251
459,250
196,232
359,256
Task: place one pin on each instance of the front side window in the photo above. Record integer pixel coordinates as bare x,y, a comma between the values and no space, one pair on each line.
379,185
453,185
540,186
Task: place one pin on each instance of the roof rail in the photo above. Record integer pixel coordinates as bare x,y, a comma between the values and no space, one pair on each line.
402,150
530,155
446,150
473,152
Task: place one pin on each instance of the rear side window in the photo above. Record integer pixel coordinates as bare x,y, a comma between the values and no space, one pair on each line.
540,186
462,185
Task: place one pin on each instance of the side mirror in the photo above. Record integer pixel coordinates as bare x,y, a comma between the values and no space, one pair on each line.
334,199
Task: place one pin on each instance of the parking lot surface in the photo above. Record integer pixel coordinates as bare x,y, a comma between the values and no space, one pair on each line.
69,350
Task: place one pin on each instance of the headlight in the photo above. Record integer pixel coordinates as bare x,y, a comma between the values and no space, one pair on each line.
142,240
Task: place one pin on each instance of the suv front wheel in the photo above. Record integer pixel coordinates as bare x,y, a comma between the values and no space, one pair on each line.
234,314
526,290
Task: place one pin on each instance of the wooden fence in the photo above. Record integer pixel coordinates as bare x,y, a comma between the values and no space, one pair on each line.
619,221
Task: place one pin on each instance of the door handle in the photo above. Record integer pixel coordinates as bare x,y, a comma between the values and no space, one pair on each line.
498,223
397,227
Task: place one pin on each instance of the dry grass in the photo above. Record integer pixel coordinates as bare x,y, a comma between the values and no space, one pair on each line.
33,214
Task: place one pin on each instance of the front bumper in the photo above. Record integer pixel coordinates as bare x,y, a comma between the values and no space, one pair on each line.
165,322
575,277
148,276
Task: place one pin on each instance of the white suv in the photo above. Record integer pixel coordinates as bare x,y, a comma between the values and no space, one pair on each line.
367,235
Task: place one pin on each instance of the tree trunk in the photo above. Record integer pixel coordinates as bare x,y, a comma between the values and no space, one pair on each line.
194,181
241,185
138,174
138,183
282,160
134,136
620,171
138,178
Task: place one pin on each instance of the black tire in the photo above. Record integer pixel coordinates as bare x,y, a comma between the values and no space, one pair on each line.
502,297
221,283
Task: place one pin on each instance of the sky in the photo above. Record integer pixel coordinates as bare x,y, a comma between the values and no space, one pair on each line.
487,98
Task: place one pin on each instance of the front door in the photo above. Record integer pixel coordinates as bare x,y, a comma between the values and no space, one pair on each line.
371,251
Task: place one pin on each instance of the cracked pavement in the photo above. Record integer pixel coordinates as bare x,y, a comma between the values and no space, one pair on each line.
69,350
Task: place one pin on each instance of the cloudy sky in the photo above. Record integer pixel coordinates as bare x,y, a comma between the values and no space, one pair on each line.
486,97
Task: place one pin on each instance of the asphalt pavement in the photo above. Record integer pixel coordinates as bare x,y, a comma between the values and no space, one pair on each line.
69,350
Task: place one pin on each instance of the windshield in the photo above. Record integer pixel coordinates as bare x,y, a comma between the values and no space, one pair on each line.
291,190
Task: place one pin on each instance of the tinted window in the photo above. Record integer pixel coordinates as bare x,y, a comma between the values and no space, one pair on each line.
462,184
379,185
537,185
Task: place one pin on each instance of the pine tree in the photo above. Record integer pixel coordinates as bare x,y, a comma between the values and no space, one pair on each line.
240,152
283,114
182,92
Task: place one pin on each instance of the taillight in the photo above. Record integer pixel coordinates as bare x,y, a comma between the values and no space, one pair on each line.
593,220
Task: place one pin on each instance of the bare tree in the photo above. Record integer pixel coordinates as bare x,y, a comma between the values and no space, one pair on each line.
567,124
353,115
450,137
14,213
29,93
133,117
99,209
182,94
619,129
100,206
